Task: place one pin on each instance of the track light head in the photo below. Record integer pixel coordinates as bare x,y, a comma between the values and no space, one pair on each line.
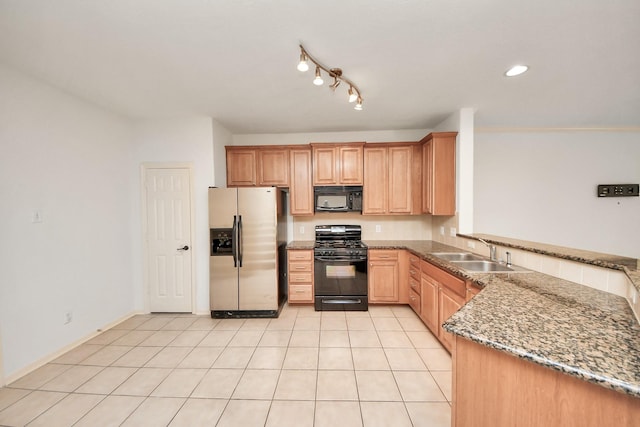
302,65
352,96
318,80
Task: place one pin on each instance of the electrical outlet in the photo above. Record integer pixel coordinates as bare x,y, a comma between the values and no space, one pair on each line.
68,317
302,229
452,232
442,231
378,228
471,244
36,216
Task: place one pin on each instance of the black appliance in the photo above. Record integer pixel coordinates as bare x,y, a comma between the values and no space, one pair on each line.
338,199
340,269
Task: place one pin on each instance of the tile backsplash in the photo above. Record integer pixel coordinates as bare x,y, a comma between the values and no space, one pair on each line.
400,227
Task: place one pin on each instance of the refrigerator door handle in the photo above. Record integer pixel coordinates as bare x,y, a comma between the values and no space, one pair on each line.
239,240
234,242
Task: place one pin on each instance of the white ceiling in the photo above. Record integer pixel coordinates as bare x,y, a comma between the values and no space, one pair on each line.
415,61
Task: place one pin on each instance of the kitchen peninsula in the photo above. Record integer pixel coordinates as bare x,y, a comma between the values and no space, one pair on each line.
532,349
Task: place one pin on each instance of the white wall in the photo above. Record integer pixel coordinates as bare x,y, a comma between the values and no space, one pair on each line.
221,137
542,187
306,138
70,160
188,140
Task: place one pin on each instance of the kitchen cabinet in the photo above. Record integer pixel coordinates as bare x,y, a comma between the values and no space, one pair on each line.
493,388
448,303
414,284
249,166
273,167
338,164
383,276
442,294
390,171
429,303
241,166
300,274
472,291
439,173
301,187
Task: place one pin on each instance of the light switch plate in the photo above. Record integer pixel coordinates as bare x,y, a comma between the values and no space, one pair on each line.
378,228
442,231
452,232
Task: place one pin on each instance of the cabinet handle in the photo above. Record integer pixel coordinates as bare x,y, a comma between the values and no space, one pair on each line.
300,267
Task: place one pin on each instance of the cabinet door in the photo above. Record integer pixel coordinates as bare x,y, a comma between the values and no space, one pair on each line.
241,167
429,303
324,166
427,170
301,189
273,167
439,173
400,186
449,303
350,165
375,178
383,281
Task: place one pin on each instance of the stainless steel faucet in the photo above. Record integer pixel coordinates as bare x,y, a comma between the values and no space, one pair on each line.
492,250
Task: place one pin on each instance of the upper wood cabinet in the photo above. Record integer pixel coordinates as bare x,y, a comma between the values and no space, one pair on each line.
338,164
392,173
301,187
273,167
266,166
439,173
241,166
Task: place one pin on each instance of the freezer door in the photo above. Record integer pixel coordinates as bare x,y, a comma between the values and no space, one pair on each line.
223,205
258,249
223,275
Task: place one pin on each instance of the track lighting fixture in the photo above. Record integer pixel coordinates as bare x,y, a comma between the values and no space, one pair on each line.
335,73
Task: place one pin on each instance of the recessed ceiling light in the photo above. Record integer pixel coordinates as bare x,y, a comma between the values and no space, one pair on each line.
516,70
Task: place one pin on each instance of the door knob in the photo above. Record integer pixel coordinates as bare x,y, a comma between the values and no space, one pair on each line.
184,248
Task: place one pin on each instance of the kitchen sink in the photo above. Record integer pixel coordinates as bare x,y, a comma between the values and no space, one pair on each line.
484,266
457,256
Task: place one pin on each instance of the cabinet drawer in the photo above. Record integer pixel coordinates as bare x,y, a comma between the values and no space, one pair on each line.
414,261
414,272
301,293
382,254
299,266
414,285
295,277
414,301
302,255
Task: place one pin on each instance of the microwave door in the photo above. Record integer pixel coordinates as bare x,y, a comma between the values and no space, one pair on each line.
329,202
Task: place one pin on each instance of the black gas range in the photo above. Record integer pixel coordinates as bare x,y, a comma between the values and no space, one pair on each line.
340,268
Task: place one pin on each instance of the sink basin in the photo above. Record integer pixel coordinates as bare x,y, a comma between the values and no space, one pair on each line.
483,266
457,256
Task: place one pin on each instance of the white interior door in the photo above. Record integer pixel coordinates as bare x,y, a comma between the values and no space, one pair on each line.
168,202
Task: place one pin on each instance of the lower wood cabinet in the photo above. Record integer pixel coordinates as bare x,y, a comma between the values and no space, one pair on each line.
383,276
492,388
300,274
441,295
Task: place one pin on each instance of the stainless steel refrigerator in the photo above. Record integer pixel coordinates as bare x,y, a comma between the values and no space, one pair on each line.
247,248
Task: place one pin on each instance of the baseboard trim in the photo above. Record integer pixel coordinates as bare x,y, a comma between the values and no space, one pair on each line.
50,357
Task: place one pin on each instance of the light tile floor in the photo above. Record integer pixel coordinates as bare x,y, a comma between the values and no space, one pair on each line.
306,368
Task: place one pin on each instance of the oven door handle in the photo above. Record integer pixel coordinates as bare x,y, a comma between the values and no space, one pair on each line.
336,259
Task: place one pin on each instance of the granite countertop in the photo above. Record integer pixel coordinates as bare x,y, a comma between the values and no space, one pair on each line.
584,332
631,266
301,244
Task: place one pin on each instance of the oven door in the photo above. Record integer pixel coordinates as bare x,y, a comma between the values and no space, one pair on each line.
340,284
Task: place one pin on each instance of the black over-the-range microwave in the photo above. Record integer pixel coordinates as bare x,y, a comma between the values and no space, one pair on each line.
338,198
